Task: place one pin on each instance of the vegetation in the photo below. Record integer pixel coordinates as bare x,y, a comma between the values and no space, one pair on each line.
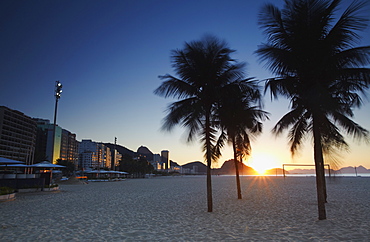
138,167
6,190
241,117
320,71
204,68
69,167
51,186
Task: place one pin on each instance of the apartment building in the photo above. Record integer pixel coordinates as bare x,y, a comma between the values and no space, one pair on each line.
17,135
69,147
65,143
165,156
44,142
93,155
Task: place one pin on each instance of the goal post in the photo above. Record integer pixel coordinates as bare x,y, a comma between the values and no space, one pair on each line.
304,165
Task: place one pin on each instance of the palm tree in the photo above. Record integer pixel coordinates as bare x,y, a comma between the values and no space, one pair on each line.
320,71
240,120
203,67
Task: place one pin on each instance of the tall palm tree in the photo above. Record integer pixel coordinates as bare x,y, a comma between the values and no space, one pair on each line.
203,67
320,71
240,119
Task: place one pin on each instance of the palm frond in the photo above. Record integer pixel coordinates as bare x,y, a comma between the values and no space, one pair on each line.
281,86
288,120
243,144
331,137
344,33
182,112
296,134
354,57
270,20
174,87
219,144
213,151
278,60
351,127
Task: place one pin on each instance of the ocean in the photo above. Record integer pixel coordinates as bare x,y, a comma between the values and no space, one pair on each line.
332,175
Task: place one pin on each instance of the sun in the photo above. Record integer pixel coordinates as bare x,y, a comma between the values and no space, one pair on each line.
261,162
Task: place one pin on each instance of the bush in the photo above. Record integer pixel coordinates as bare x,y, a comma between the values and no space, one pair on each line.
51,186
6,190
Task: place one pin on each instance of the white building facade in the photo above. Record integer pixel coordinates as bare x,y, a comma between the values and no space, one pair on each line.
93,155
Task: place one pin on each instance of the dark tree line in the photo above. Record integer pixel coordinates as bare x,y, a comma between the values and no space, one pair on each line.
137,167
69,168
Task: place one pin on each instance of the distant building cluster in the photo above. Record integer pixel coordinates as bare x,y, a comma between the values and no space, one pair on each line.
96,155
31,140
160,162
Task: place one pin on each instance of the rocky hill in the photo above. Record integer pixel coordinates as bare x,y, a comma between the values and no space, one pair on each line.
121,149
197,167
228,168
344,170
276,171
351,169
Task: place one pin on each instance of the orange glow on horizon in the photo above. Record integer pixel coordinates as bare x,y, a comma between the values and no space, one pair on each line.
261,162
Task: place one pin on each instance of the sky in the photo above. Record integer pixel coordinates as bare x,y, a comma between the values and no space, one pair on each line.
108,56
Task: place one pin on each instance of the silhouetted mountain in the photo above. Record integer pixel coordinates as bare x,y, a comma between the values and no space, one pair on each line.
302,171
121,149
145,152
201,168
348,169
173,163
228,168
351,169
275,171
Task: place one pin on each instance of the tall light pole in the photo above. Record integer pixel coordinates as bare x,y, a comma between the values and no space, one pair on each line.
113,163
57,94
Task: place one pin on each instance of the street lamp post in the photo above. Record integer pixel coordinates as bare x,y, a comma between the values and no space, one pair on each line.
113,163
57,94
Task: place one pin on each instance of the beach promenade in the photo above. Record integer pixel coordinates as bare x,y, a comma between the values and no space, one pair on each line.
174,209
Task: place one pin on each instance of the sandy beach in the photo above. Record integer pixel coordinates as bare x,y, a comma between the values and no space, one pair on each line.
174,209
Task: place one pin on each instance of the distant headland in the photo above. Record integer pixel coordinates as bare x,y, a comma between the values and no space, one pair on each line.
228,168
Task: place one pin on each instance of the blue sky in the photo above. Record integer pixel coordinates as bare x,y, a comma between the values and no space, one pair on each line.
108,56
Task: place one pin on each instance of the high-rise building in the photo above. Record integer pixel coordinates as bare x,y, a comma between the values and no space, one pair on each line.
104,155
65,143
44,144
88,154
17,135
69,147
41,141
156,163
165,156
93,155
87,160
118,157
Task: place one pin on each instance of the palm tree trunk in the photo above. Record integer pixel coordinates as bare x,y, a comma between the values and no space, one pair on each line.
237,170
209,163
320,175
324,180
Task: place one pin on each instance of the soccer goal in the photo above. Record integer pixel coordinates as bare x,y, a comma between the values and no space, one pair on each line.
284,165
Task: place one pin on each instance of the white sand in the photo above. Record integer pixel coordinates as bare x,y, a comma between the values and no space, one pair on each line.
174,209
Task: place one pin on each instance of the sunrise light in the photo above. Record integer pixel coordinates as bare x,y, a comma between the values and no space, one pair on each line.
261,162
